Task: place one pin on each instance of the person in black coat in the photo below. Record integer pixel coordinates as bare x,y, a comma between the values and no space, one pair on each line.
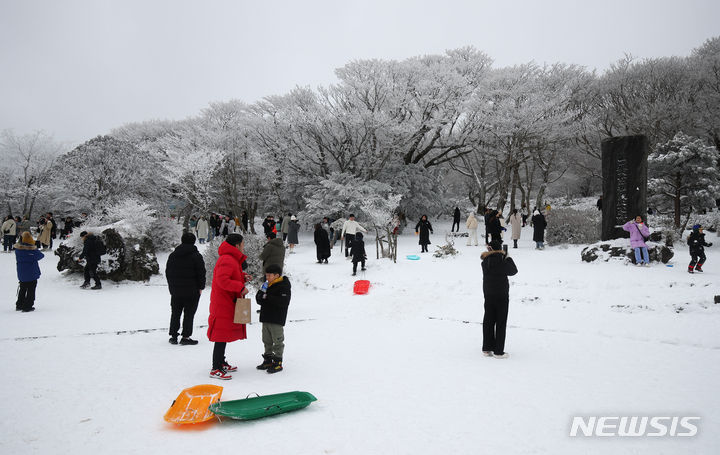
496,267
274,299
424,229
212,225
357,251
185,273
93,248
539,225
494,227
244,220
487,217
456,220
322,244
697,244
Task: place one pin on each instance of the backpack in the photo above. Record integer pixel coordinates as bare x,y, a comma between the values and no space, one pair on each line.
101,247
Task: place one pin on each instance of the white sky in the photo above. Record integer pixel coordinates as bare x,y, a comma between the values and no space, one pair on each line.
77,68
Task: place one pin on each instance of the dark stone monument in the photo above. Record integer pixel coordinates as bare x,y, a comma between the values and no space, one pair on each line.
624,170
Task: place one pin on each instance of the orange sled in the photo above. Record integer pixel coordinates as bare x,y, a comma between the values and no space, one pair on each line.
191,406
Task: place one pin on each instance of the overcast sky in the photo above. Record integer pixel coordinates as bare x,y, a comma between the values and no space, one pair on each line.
79,68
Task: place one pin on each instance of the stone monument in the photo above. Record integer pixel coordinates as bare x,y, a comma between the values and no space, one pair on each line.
624,171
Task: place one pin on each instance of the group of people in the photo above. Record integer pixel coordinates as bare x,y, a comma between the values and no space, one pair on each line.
46,229
185,273
640,233
495,225
206,228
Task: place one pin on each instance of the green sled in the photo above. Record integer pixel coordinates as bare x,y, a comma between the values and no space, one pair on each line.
262,406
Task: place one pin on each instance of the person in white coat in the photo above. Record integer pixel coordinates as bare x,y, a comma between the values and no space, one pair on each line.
9,229
350,228
472,227
202,229
516,223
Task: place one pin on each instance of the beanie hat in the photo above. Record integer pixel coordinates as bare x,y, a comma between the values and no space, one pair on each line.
273,268
28,238
359,236
496,245
696,227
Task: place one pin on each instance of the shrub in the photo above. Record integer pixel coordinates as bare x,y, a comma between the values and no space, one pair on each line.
568,225
446,250
253,246
165,233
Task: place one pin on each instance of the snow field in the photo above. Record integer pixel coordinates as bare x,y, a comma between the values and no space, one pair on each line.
399,370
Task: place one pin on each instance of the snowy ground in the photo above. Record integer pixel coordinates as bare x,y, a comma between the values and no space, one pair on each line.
396,371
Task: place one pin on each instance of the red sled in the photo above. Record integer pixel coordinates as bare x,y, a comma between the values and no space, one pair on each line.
361,287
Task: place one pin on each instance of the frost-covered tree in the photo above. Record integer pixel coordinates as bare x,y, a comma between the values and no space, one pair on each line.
105,170
25,168
705,75
248,177
526,117
190,167
373,203
684,171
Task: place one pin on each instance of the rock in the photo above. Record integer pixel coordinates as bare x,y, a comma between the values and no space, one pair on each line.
606,251
112,265
67,257
140,260
126,259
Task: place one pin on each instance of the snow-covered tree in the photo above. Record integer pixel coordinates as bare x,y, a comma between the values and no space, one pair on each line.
190,167
25,168
103,171
684,170
373,203
705,67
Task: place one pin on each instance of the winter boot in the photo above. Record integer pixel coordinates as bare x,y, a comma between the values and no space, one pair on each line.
188,341
690,269
698,268
276,365
267,362
97,286
514,243
85,285
173,340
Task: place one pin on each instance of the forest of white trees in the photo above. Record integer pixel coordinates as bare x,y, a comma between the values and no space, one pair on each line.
427,133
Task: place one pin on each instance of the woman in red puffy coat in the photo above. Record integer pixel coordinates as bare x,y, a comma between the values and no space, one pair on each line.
228,284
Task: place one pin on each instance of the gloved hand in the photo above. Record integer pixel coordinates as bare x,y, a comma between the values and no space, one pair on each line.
710,244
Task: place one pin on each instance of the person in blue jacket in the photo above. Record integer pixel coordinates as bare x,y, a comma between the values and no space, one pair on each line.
28,271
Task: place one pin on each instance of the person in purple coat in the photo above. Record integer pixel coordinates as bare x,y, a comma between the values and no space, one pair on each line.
638,232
